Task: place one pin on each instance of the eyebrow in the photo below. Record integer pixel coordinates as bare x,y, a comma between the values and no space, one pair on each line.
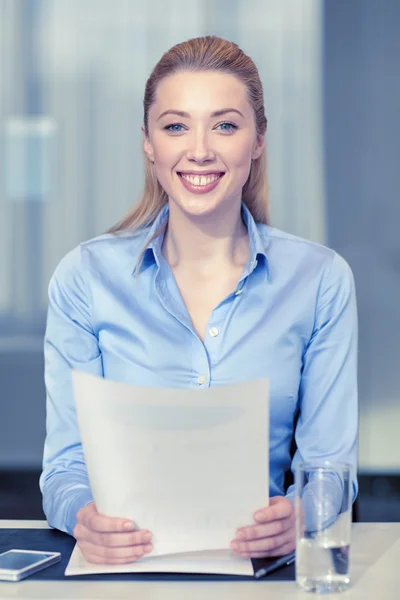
217,113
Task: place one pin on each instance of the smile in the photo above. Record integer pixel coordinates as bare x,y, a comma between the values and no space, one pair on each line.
200,184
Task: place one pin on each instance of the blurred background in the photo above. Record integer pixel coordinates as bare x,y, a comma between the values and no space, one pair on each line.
72,76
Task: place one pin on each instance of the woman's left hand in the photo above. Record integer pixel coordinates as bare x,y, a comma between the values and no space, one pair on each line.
273,535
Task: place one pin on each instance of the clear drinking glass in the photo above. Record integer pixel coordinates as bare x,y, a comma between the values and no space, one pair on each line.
323,526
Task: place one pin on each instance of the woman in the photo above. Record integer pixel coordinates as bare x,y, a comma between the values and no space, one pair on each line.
194,288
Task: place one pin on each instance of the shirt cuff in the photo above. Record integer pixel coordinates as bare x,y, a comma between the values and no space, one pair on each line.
81,499
291,494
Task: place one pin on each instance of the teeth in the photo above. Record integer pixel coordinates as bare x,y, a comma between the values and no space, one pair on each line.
196,180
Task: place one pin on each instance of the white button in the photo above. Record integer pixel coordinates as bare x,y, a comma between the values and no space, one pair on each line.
214,331
201,379
238,292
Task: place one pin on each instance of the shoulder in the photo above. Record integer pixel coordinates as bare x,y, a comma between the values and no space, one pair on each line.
297,253
104,253
278,240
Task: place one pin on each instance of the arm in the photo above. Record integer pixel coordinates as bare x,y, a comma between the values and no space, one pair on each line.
70,343
327,424
328,420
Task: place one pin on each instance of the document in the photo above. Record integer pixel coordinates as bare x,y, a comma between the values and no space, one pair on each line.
190,465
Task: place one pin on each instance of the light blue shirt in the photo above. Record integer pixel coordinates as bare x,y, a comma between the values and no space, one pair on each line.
292,318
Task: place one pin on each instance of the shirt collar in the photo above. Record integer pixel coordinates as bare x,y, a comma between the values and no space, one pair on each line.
257,245
153,254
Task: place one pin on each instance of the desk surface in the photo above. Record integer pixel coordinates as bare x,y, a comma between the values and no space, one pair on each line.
375,572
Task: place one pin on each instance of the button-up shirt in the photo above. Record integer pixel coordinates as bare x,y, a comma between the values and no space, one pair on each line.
291,318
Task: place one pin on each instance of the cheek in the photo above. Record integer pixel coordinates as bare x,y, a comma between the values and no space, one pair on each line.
165,152
162,157
165,159
240,164
239,156
163,174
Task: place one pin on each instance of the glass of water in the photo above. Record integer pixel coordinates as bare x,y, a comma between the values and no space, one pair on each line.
323,526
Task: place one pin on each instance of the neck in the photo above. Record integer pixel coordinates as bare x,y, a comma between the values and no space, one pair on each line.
204,242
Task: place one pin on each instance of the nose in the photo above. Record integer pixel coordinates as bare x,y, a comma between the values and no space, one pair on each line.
200,149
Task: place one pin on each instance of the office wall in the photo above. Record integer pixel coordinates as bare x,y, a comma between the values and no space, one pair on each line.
56,60
72,76
362,133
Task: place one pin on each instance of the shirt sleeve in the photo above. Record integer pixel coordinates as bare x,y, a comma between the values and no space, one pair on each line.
70,343
327,426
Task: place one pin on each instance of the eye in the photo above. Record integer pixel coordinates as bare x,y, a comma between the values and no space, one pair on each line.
173,127
178,128
226,126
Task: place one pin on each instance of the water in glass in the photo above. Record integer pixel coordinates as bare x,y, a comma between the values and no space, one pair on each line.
322,559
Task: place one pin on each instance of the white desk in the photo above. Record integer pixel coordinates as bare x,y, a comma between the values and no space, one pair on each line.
375,570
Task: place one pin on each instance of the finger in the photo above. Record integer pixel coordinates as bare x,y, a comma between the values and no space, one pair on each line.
286,549
112,540
98,522
282,550
300,516
255,532
279,508
265,544
105,554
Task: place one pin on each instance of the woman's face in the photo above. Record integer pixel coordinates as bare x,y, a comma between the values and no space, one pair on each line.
202,137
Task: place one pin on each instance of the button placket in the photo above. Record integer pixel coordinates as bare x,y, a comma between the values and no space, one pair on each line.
200,364
214,335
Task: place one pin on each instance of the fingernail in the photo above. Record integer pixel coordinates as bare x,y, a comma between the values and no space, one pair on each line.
129,526
148,548
147,537
234,545
241,535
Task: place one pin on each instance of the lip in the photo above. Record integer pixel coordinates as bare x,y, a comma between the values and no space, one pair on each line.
201,173
200,189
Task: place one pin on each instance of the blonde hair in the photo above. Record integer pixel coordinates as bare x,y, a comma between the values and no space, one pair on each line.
207,53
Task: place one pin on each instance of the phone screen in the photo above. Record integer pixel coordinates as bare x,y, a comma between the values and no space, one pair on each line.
19,560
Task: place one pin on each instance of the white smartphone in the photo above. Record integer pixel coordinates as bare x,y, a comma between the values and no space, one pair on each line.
17,564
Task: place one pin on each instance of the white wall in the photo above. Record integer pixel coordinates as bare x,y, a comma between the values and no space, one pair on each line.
362,126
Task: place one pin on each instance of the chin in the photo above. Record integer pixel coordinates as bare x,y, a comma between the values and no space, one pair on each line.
198,207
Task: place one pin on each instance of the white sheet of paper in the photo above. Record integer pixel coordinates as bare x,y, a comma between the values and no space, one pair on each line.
189,465
206,562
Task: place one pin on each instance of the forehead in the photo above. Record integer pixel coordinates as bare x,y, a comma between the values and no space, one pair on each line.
206,91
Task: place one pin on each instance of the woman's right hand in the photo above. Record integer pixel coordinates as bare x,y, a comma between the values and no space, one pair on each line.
109,540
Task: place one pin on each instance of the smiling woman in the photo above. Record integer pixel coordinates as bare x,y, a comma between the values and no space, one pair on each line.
203,145
196,81
220,297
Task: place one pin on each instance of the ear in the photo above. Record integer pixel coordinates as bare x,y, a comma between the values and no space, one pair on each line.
259,147
147,147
